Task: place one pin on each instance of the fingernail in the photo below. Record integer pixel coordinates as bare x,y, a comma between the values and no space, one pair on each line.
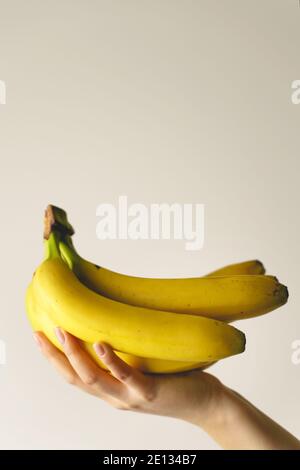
99,349
59,334
37,340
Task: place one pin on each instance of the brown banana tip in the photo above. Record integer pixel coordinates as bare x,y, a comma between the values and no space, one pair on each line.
55,218
48,221
244,342
286,293
282,292
261,266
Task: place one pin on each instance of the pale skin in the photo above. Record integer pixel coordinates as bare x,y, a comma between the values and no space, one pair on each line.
196,397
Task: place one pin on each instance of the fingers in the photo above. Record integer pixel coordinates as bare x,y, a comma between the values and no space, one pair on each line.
125,387
135,380
88,371
64,368
57,359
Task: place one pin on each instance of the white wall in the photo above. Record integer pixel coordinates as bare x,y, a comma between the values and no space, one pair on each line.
165,102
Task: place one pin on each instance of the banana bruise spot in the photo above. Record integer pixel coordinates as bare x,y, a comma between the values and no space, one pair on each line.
96,266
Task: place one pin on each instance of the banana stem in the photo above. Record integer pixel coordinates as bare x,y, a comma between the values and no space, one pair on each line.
68,252
57,229
69,243
52,246
56,219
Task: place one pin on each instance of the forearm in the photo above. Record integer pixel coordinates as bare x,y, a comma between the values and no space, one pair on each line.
237,424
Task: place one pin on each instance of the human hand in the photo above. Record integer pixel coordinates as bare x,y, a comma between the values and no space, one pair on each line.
192,396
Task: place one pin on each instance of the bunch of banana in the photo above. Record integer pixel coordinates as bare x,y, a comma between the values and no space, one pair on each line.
139,317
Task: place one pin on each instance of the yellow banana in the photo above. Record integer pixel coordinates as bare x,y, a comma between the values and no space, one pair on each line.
137,331
226,298
246,267
41,321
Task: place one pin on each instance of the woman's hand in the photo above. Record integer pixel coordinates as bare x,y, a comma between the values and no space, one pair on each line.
194,396
191,396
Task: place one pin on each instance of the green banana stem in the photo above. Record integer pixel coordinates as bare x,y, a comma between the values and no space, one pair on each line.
69,243
51,246
68,253
57,234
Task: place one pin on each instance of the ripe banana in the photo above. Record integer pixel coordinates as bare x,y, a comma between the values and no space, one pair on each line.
226,298
137,331
41,321
246,267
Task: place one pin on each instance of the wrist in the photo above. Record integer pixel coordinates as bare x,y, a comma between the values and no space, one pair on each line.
223,413
210,408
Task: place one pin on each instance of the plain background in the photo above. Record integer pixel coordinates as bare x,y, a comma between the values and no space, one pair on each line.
163,101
